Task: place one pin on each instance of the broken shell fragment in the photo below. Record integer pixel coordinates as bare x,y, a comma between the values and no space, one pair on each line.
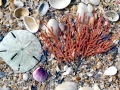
43,8
30,24
59,4
53,26
67,86
20,13
111,15
40,74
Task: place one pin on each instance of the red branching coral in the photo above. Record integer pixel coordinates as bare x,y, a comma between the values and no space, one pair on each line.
80,40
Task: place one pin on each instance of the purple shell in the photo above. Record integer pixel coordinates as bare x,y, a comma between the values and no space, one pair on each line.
40,74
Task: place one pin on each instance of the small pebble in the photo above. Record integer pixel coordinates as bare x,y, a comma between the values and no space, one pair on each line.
2,74
86,77
81,83
25,76
111,71
89,74
33,87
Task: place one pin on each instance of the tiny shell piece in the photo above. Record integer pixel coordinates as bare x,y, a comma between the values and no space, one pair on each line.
111,71
25,76
59,4
43,8
111,15
67,86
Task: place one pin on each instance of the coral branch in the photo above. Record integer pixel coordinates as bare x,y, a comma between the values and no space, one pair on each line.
79,40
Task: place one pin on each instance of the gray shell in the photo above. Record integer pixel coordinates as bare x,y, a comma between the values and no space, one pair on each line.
21,50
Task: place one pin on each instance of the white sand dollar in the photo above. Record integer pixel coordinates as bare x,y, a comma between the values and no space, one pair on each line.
21,50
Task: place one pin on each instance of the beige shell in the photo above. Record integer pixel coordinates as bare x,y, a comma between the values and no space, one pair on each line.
67,86
20,13
30,24
59,4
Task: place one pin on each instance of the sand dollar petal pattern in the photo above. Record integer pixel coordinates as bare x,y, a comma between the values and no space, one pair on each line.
21,50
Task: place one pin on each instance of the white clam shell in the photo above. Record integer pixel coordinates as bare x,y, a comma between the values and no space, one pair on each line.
43,8
95,2
67,86
59,4
18,3
111,71
20,13
30,24
55,26
1,15
111,15
90,8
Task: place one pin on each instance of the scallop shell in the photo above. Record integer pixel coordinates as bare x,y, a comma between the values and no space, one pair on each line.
55,26
111,15
30,24
67,86
43,8
59,4
18,3
20,13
